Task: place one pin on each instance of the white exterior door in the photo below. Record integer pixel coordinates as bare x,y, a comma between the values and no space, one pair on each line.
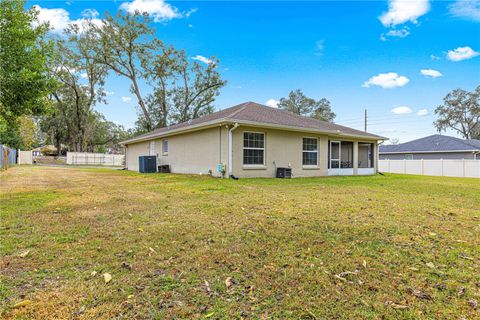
152,148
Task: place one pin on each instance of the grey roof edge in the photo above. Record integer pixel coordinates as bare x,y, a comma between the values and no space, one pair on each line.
443,151
222,121
433,143
230,118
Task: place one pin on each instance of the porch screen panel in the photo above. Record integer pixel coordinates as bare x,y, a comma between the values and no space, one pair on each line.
334,153
365,155
346,155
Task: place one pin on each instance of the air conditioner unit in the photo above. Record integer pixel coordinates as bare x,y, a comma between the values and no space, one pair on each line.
147,164
284,173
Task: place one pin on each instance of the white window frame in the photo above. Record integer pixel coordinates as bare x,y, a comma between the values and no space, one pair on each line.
408,156
165,153
151,148
311,151
243,148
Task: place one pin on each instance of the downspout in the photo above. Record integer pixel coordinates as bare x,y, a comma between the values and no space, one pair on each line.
230,149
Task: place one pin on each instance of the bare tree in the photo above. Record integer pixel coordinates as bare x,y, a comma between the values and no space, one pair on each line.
300,104
125,44
461,112
81,80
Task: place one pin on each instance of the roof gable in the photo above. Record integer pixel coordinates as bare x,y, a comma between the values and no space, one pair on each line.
257,114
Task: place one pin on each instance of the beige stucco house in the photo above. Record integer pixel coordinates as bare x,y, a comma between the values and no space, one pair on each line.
252,140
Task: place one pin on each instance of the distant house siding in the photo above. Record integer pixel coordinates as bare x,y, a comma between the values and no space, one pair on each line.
428,156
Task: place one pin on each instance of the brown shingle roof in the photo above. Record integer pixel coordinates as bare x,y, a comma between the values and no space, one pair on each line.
257,114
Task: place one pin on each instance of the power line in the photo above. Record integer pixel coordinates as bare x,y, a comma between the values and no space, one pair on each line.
402,120
392,117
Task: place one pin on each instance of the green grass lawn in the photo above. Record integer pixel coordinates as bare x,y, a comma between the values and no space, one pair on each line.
183,247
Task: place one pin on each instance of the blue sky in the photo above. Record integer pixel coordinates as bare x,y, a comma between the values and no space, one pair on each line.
396,58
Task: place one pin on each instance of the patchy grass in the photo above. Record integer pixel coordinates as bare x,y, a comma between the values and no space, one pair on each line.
382,247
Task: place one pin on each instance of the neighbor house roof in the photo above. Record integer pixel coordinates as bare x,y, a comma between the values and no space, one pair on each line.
254,114
434,143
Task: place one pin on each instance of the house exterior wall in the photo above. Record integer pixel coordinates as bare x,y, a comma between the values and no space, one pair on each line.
132,152
195,152
429,156
201,151
284,149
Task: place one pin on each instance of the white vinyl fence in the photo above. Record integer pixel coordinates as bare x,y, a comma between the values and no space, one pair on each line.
447,168
25,157
100,159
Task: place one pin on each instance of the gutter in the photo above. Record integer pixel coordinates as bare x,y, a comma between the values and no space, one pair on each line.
230,149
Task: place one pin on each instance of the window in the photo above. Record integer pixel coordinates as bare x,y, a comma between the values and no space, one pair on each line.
165,147
253,148
409,157
365,155
310,152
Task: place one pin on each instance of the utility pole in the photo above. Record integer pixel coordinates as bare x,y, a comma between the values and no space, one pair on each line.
365,120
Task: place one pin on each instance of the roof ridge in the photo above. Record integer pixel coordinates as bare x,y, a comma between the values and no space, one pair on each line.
243,106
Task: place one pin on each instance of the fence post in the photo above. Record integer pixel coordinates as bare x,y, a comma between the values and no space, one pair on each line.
441,163
423,168
463,163
404,166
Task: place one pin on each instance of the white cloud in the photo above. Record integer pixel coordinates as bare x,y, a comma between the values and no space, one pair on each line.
190,12
434,57
236,87
319,47
109,93
402,110
158,9
401,33
83,75
395,33
386,80
431,73
202,59
59,18
272,103
90,13
126,99
402,11
422,112
461,53
469,9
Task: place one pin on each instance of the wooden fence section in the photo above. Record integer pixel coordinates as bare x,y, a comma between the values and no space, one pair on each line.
100,159
8,156
448,168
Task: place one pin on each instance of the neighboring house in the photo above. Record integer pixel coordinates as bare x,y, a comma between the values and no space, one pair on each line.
252,140
44,151
432,147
